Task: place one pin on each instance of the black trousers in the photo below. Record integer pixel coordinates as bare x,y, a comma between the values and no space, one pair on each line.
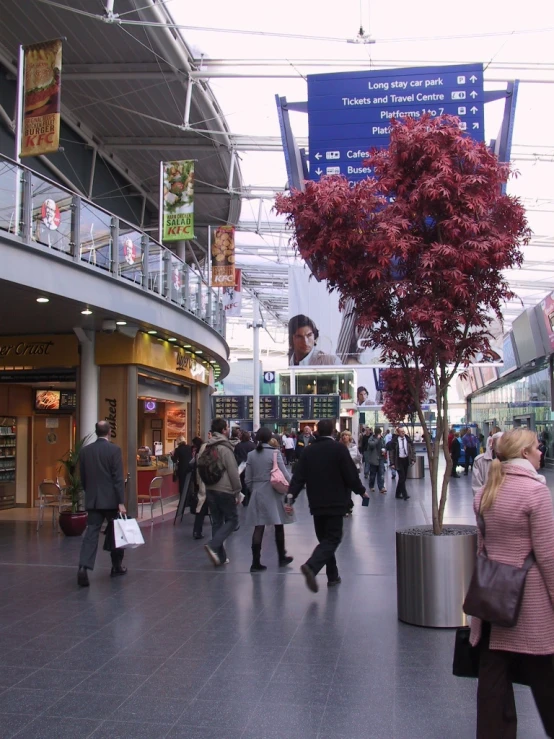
199,517
89,547
471,453
496,708
328,530
402,466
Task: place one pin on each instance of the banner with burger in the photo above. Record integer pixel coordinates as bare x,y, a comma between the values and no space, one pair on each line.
178,200
41,98
223,257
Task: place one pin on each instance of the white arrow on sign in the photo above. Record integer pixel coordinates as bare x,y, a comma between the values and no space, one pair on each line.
474,109
473,94
473,78
318,155
319,171
475,125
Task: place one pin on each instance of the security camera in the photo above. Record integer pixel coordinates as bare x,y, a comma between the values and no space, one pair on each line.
109,327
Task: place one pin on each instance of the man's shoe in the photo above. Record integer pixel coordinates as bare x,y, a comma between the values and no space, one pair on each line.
284,561
332,583
258,568
82,577
118,571
383,491
371,490
311,582
227,561
454,474
398,497
212,555
197,536
407,497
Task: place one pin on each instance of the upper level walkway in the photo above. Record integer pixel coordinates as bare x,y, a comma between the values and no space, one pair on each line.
178,649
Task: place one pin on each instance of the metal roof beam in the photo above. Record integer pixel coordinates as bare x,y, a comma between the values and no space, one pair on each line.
122,71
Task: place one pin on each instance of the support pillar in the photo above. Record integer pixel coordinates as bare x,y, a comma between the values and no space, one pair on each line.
88,385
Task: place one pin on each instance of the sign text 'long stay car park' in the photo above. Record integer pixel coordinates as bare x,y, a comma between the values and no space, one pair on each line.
349,113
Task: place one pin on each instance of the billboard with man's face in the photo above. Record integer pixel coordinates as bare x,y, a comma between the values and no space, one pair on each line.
319,333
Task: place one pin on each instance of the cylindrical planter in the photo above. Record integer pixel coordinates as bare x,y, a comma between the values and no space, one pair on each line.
417,470
433,574
73,524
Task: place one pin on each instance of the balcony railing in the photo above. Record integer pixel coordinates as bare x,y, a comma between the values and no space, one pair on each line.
40,211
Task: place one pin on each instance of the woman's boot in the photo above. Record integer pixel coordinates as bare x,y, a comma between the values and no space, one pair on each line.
280,542
257,566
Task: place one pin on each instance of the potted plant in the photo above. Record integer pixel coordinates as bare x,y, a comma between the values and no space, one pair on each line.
73,522
420,250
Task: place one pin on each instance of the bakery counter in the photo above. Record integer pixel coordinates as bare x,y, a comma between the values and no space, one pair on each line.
145,475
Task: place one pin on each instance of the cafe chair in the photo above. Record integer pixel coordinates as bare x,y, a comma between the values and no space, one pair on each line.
49,496
154,494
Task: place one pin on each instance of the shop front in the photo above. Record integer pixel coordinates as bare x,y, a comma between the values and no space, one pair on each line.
152,393
38,407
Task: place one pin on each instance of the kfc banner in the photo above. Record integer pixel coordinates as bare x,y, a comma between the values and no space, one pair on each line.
223,257
41,98
178,200
232,297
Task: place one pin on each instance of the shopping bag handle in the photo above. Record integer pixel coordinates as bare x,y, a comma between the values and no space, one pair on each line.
122,515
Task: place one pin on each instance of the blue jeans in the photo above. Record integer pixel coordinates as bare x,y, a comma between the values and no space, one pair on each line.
223,510
377,470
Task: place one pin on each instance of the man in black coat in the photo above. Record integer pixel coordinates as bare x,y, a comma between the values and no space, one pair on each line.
402,456
101,468
326,469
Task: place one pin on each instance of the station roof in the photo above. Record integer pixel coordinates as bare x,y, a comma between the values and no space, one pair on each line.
124,91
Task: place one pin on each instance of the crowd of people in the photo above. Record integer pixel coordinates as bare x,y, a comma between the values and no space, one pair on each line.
512,504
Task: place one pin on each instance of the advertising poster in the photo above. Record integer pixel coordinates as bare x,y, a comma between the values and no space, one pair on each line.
319,333
41,98
223,257
369,386
232,297
176,421
178,200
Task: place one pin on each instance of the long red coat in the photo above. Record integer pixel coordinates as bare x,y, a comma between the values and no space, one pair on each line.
521,519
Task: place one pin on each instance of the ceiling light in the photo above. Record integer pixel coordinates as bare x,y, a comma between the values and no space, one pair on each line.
187,346
121,323
199,351
86,312
172,339
152,333
43,300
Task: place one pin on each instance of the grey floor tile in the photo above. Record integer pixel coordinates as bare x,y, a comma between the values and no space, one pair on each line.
47,727
86,705
107,683
134,665
130,730
26,658
13,700
229,716
46,679
11,723
295,694
10,676
293,718
152,708
200,732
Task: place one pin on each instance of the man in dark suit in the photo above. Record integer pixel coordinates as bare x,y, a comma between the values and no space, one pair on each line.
326,469
402,456
101,467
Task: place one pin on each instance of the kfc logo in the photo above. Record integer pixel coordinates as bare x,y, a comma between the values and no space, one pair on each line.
50,215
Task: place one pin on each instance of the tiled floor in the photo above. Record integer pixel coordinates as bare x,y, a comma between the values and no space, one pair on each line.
178,649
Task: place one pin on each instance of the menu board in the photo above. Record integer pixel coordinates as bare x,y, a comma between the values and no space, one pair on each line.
294,406
231,406
68,400
324,406
55,400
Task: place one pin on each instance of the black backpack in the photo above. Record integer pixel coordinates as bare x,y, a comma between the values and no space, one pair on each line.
209,465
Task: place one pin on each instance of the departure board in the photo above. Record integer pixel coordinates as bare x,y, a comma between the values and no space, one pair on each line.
324,406
294,406
268,406
230,406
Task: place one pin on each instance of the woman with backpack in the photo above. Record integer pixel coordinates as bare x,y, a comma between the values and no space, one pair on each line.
266,506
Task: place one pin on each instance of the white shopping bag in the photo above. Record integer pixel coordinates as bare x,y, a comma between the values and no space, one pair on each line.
127,534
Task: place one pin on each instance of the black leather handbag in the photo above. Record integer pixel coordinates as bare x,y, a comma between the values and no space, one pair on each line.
496,589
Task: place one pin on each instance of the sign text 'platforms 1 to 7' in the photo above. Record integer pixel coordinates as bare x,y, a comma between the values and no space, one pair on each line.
349,113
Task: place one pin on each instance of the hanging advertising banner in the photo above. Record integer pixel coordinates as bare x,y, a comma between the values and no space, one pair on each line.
223,257
177,205
41,98
232,297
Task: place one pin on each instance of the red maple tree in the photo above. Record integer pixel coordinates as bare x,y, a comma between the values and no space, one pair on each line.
398,402
421,248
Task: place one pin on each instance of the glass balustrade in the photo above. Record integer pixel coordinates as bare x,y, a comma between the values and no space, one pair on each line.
45,214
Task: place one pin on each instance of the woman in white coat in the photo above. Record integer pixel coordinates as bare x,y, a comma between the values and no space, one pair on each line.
266,507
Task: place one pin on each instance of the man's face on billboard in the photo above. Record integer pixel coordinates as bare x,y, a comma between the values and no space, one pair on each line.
362,396
303,341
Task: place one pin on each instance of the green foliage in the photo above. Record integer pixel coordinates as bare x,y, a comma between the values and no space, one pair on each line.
69,470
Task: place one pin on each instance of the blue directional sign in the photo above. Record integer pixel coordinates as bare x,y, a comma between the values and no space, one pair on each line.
349,113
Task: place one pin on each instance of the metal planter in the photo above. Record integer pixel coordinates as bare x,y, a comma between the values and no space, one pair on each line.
433,574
